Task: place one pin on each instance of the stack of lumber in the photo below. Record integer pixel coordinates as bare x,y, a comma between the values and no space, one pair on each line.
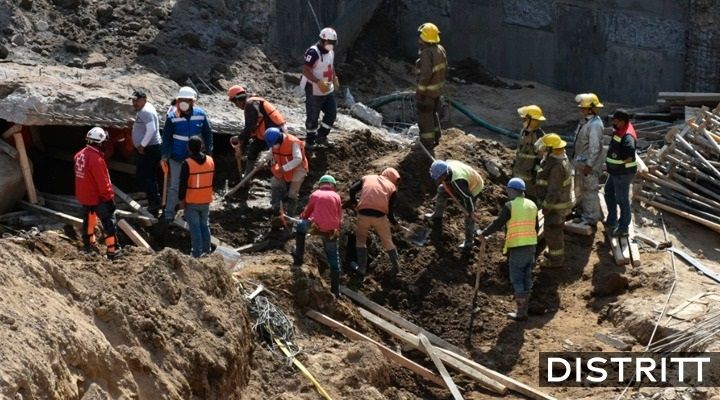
684,176
675,102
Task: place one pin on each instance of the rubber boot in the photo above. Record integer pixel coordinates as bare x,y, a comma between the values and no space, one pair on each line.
467,245
299,251
439,211
291,207
322,138
310,140
335,283
521,302
394,260
361,265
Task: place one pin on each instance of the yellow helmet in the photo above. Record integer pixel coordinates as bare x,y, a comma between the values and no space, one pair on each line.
532,112
429,33
588,100
554,141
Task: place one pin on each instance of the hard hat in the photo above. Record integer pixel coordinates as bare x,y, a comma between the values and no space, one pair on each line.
429,33
327,179
96,135
236,91
588,100
186,92
391,174
532,112
272,136
554,141
328,34
438,169
517,184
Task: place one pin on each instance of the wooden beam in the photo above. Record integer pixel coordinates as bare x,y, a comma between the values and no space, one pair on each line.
397,319
68,219
132,203
511,383
26,170
711,225
430,350
133,234
413,341
389,354
11,131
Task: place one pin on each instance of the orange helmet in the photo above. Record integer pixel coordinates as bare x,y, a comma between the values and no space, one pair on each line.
236,91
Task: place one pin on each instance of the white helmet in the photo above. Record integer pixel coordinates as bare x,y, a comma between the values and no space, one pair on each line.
328,34
96,135
186,92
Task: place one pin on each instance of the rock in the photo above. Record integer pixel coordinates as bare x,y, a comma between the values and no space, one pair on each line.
26,4
18,39
226,42
133,26
146,49
41,26
67,3
76,62
95,60
74,47
366,114
104,12
191,39
669,394
3,52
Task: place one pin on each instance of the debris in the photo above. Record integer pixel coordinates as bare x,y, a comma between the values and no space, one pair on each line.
95,60
578,229
366,114
430,351
133,234
68,219
618,344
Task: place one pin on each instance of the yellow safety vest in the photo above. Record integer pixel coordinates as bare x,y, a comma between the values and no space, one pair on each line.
461,170
521,225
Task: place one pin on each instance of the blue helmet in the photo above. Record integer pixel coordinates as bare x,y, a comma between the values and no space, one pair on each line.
272,136
517,184
438,169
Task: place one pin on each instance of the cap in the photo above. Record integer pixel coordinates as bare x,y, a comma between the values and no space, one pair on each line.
138,94
621,115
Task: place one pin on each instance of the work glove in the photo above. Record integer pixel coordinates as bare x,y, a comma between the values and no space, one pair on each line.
336,82
323,86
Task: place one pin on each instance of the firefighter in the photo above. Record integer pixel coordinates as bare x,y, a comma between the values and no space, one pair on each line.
431,69
527,160
587,159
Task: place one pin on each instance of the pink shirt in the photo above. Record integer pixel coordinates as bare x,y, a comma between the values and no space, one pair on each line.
324,209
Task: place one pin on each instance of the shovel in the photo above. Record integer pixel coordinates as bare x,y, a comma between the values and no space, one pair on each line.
261,164
165,183
419,236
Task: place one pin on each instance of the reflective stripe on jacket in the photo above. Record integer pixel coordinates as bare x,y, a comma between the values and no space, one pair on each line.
268,116
622,149
460,170
200,181
526,159
375,194
554,183
284,154
521,225
179,129
431,69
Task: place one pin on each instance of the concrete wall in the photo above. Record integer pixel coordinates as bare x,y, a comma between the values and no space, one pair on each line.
624,50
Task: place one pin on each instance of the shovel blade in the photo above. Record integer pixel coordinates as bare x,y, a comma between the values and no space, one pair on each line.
419,236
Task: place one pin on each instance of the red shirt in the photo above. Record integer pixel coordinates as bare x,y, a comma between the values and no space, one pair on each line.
92,181
324,209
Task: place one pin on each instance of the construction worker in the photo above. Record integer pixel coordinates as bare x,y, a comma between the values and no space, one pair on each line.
587,159
322,216
378,194
460,181
621,168
289,168
196,194
527,160
94,192
186,121
146,140
554,191
319,81
519,216
260,115
431,69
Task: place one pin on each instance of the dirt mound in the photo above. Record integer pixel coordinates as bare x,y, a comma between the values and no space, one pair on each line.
470,70
148,326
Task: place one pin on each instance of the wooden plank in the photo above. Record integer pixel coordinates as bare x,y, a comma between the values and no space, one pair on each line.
26,170
133,234
430,350
11,131
68,219
711,225
413,341
389,354
509,382
398,320
132,203
617,251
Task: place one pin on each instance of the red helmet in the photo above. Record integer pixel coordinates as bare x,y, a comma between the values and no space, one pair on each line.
236,91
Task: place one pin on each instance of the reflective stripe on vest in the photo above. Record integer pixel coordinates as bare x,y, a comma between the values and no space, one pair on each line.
558,206
430,88
283,155
439,67
265,110
376,193
200,180
461,170
521,225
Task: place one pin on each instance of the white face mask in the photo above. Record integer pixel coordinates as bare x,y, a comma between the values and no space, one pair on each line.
329,47
183,106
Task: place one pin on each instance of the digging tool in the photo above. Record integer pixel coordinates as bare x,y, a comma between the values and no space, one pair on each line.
261,164
164,167
417,237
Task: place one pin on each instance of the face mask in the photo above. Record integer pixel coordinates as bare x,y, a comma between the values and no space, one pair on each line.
329,47
183,106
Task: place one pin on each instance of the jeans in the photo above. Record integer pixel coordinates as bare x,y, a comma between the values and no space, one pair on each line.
197,217
521,261
330,245
617,194
313,106
146,174
173,189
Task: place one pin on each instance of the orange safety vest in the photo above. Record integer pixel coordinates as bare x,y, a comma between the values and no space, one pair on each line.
376,192
200,181
283,155
265,110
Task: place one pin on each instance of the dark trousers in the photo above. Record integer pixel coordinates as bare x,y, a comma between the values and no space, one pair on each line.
313,106
146,174
617,195
254,148
428,119
106,213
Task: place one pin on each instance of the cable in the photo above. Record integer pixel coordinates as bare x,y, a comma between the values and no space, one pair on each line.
312,10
